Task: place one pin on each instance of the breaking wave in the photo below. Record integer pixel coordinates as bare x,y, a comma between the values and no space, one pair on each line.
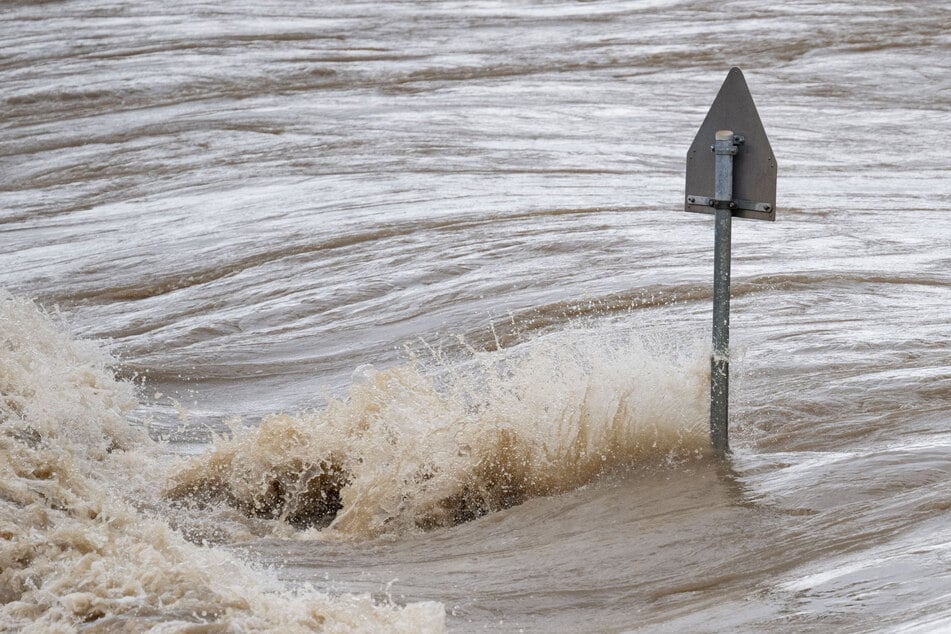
81,543
101,527
427,445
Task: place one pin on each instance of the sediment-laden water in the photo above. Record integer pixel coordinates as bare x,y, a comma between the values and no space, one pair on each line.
386,316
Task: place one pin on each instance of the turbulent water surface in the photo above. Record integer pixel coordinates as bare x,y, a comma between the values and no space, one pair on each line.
385,316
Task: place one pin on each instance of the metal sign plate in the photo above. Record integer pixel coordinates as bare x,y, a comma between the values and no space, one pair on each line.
754,166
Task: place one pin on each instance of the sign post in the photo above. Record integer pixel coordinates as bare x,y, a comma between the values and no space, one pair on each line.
736,176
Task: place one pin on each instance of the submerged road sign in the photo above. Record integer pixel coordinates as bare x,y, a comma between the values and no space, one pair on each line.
754,166
731,171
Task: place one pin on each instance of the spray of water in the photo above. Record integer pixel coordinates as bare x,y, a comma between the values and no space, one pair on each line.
430,444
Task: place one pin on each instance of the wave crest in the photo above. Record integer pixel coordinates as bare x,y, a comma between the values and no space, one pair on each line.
411,447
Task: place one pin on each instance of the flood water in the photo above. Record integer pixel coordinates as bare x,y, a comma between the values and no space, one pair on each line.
385,316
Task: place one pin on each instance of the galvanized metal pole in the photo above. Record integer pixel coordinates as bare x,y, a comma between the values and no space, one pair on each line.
725,148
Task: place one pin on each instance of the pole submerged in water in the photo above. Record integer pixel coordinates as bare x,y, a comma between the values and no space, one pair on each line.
724,148
736,178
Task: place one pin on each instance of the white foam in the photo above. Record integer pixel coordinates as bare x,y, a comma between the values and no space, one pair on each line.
76,546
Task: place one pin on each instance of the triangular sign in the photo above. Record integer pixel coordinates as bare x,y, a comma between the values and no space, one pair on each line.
754,166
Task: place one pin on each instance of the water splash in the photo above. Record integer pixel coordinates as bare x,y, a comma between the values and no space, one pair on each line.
428,445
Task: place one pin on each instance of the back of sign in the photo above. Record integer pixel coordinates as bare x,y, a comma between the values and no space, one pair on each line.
754,166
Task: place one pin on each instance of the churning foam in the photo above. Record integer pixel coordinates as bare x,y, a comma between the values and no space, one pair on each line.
79,547
421,447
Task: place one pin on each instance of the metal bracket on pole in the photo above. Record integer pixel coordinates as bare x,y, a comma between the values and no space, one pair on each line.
738,178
